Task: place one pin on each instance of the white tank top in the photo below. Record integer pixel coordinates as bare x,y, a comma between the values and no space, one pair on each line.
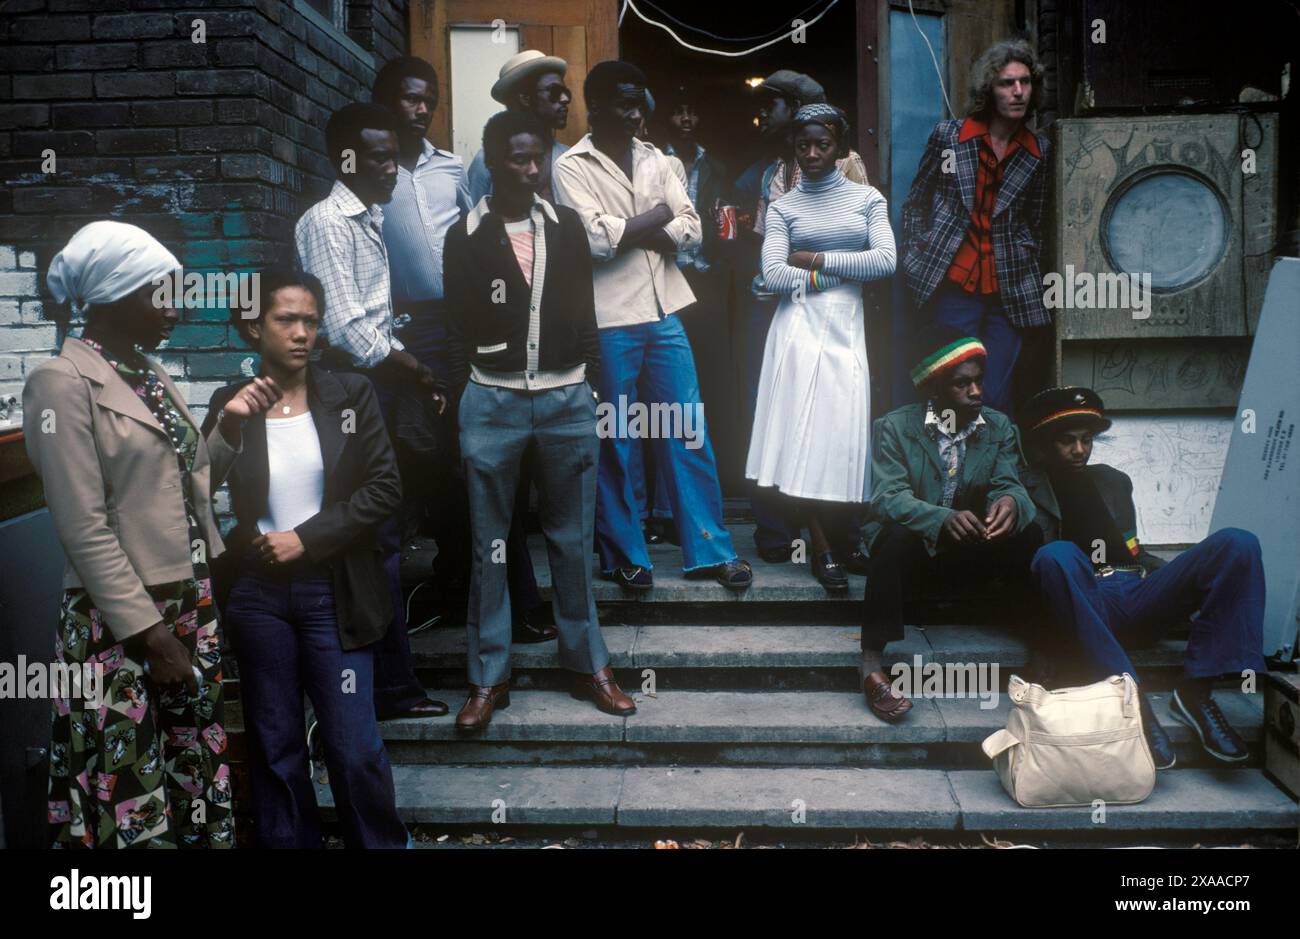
296,483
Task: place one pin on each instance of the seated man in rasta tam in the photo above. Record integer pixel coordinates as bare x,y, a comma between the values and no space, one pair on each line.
1102,590
947,506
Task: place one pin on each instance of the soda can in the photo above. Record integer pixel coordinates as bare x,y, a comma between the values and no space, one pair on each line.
727,222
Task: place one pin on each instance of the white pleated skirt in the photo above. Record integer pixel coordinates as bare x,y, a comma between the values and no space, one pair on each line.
811,434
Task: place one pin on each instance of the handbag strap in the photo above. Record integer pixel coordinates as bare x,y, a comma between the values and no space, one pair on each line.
998,742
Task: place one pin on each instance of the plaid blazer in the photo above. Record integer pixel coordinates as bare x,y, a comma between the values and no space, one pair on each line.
937,214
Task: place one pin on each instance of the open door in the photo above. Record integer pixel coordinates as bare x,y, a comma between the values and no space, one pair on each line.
467,40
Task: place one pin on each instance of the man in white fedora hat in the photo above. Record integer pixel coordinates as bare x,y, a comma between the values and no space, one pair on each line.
530,81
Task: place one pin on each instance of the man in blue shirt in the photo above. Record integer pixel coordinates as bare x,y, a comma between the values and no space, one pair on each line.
530,81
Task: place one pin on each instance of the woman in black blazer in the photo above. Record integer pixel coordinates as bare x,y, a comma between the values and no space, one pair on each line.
305,593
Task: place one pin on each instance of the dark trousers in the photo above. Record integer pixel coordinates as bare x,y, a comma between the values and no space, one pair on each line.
900,567
286,639
1221,580
981,316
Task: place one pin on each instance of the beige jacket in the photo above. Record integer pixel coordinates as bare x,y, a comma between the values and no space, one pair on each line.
112,484
639,286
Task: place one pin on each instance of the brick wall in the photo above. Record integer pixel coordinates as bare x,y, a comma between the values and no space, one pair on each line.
215,147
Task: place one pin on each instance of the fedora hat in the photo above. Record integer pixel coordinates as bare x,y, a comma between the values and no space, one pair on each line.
524,65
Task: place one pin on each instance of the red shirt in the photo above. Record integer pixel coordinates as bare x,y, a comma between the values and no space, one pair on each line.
973,266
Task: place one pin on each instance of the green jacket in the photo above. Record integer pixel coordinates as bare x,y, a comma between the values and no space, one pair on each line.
907,476
1116,490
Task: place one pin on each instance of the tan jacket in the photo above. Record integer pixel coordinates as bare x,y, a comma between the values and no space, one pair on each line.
112,484
641,285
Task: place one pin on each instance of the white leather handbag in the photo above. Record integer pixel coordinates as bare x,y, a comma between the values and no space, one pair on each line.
1073,746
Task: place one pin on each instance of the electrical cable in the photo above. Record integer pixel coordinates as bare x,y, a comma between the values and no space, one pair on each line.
937,71
695,29
629,5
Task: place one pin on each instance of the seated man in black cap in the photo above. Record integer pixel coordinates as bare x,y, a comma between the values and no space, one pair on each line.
947,505
1102,588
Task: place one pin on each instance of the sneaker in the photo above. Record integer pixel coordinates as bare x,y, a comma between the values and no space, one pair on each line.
637,579
1210,726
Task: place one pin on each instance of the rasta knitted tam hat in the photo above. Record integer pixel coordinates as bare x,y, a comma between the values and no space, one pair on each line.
1058,409
940,348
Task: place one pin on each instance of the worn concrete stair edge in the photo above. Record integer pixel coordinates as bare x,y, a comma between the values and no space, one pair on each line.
785,717
766,647
814,798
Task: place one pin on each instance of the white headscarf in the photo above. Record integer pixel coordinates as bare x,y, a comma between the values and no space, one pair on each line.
105,261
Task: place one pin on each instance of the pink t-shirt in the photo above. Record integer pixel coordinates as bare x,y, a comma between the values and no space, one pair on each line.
521,240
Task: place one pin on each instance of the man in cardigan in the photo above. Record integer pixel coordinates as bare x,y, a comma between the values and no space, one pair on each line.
525,358
946,506
972,222
1102,588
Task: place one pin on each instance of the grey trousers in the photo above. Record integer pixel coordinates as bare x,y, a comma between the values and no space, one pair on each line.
497,426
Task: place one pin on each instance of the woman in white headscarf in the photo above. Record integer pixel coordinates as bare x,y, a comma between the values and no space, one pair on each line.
138,748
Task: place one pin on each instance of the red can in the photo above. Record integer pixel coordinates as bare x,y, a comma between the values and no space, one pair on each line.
726,215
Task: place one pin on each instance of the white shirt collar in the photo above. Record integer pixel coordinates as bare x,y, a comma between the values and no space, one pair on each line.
477,213
347,202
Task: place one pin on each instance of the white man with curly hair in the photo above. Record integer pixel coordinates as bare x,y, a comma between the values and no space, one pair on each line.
972,222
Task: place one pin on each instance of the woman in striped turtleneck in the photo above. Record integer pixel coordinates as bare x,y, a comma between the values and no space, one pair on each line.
824,240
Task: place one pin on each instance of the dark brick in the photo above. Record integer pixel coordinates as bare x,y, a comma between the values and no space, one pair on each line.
81,6
97,166
226,138
6,147
62,142
229,196
220,82
135,26
46,199
251,166
236,52
241,23
130,196
51,29
152,140
256,225
52,86
14,7
207,365
23,172
237,111
134,84
176,167
14,116
100,114
16,58
171,113
179,54
98,55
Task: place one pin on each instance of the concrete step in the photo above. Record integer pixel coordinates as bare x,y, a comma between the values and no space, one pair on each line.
750,728
821,656
911,800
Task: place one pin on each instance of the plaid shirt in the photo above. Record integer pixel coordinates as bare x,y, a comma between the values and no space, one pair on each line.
940,209
952,449
974,268
341,241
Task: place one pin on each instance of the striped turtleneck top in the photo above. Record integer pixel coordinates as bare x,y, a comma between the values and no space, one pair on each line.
847,222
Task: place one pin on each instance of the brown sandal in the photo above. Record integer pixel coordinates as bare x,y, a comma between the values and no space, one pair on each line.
881,699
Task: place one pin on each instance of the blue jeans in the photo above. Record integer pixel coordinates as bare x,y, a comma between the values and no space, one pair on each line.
1221,579
658,355
981,316
286,639
774,524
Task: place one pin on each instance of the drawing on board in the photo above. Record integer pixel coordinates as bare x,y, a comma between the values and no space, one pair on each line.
1175,464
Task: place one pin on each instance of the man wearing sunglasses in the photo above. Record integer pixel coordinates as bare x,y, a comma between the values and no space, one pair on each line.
534,82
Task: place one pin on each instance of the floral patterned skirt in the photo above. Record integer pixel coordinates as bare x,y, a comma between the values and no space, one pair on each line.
135,767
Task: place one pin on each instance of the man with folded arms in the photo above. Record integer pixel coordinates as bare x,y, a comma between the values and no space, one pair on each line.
637,217
947,506
525,357
1103,590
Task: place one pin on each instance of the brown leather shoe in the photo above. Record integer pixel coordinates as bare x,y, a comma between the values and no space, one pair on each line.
602,689
478,708
882,699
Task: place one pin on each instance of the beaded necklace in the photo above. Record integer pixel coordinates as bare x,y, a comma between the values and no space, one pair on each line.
150,388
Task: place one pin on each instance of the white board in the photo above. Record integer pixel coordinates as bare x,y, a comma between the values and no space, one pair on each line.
477,54
1175,464
1261,481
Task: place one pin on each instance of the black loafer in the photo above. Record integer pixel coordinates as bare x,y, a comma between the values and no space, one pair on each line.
778,555
1162,748
829,572
637,579
1210,726
857,563
525,632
